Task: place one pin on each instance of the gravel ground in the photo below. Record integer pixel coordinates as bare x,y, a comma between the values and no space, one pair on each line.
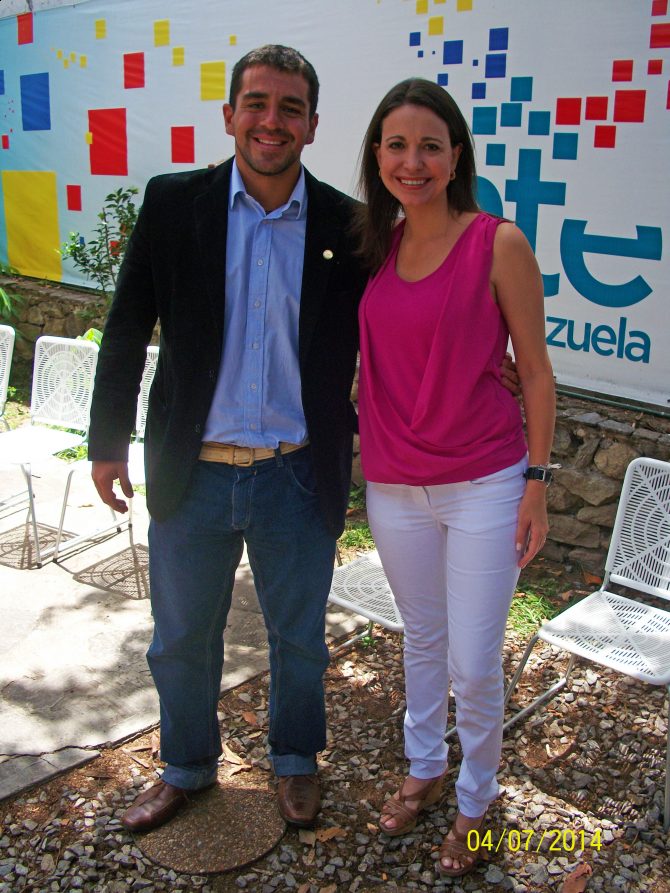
582,781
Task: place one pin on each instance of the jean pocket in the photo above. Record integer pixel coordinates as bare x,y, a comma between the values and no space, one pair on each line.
301,471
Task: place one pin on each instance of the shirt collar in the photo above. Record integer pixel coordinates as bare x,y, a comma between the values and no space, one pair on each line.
295,207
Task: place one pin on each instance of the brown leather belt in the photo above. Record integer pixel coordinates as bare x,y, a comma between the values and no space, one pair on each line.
232,454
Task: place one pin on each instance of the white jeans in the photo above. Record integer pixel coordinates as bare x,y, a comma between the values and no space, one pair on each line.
450,557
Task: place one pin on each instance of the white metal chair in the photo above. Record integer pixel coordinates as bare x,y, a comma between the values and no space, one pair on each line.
62,387
631,636
7,336
361,586
135,471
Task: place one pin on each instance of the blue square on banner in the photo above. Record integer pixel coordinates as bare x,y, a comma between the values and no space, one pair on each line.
498,38
35,106
2,82
415,38
496,65
443,79
479,91
510,114
495,154
453,52
565,146
484,119
420,54
539,123
522,89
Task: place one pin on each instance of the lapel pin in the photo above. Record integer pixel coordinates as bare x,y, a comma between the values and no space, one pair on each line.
328,254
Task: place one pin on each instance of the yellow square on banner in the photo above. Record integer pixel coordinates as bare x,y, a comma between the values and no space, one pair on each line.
421,7
213,80
162,33
463,5
177,55
88,136
59,54
100,29
83,61
232,40
66,63
31,216
73,57
436,25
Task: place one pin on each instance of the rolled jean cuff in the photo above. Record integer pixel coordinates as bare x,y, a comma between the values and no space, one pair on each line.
293,764
190,779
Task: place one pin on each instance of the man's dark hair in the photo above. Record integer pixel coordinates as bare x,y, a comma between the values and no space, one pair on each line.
283,59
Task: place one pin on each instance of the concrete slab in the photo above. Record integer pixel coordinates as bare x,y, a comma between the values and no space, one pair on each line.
73,674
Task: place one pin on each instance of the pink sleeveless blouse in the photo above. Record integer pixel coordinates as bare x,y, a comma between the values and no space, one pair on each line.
432,409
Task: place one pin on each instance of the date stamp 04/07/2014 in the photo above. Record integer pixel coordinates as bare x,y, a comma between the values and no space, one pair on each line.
552,840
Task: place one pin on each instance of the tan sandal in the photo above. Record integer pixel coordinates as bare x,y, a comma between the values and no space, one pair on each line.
396,807
455,846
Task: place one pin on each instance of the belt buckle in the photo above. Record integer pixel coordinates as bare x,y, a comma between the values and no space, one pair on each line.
243,463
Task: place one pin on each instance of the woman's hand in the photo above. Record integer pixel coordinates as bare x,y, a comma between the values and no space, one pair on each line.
532,526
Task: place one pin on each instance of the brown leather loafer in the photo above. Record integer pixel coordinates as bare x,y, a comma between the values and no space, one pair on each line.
299,799
154,807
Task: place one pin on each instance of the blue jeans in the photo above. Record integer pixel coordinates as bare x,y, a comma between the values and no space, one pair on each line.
194,554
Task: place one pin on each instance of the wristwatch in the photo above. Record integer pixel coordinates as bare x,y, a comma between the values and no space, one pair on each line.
540,473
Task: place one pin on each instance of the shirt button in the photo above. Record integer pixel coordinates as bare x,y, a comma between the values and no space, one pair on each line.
253,386
253,426
198,429
260,261
257,303
255,345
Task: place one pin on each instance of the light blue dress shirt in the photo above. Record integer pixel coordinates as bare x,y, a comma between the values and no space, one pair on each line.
257,401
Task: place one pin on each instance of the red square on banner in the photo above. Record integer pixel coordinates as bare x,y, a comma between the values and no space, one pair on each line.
133,70
5,141
659,8
183,145
73,198
568,111
109,145
655,66
629,105
605,136
596,108
622,70
660,36
24,23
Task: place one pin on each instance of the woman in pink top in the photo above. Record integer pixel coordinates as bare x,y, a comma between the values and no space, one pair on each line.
456,494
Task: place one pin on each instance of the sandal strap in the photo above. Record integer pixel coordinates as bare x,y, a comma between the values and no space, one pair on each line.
397,806
393,808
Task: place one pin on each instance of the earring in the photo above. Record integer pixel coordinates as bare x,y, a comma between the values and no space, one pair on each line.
452,176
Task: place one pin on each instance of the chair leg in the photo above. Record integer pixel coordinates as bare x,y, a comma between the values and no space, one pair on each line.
343,647
666,804
28,475
61,522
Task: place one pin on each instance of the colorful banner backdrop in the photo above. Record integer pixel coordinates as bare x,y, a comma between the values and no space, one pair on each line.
569,107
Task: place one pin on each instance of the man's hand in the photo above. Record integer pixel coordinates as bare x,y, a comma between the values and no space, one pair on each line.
104,474
509,376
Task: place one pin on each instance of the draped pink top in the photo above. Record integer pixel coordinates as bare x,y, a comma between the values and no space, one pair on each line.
432,409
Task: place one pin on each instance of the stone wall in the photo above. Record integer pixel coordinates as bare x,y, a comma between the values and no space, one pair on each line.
47,308
594,441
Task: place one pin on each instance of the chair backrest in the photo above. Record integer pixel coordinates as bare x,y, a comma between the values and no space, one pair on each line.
63,376
145,387
6,350
639,553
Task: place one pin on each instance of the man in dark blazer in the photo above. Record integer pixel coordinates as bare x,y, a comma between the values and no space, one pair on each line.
250,269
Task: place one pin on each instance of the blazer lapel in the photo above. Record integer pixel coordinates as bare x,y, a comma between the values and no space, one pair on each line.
321,245
210,210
